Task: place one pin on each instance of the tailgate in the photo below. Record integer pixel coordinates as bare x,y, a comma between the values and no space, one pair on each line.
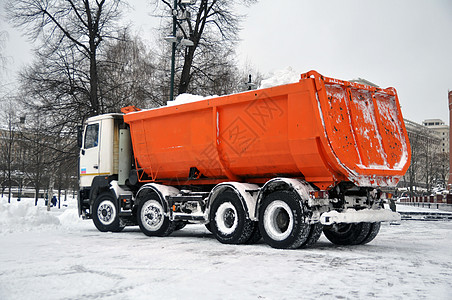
365,130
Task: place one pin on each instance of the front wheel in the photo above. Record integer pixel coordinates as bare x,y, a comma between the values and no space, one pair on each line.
282,221
152,219
105,214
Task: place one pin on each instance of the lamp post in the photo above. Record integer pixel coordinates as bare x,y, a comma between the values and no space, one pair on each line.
173,51
177,41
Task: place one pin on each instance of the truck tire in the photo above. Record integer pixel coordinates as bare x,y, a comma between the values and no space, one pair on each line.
180,225
255,235
347,233
374,229
228,221
281,220
314,235
105,213
152,218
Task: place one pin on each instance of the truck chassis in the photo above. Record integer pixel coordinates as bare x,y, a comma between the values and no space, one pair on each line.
287,213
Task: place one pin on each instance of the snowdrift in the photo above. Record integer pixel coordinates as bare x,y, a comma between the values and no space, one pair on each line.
25,216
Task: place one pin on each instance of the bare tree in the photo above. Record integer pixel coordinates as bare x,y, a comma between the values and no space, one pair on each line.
73,31
62,85
213,27
3,60
424,149
440,168
128,74
10,148
39,160
8,145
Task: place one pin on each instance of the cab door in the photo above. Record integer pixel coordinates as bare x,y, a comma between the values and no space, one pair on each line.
89,153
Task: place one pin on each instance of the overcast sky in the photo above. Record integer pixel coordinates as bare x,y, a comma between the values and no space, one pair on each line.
406,44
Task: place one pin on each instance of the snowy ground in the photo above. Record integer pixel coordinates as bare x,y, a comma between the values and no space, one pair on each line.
54,255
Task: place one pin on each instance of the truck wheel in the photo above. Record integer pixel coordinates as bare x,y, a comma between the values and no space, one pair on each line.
374,229
347,233
180,225
152,219
105,214
208,227
228,221
255,235
314,235
281,220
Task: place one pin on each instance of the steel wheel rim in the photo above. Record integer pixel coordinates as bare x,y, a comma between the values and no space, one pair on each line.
152,215
226,218
106,212
278,220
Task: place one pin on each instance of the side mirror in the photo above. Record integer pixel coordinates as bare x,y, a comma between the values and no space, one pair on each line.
80,136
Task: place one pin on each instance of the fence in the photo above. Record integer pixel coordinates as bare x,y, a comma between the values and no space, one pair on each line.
436,201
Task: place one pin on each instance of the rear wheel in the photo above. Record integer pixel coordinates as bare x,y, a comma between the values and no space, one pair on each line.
180,225
105,214
255,235
282,222
374,229
152,218
228,221
348,233
314,234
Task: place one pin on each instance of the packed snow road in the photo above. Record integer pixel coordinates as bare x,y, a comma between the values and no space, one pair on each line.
61,257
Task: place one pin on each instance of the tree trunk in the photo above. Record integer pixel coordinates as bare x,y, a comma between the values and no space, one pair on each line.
36,194
93,85
185,76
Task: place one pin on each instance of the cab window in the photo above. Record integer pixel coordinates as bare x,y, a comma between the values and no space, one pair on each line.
91,136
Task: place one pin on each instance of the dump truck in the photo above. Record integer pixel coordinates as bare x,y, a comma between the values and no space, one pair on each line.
282,164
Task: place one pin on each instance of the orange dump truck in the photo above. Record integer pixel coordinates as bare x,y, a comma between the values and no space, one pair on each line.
283,164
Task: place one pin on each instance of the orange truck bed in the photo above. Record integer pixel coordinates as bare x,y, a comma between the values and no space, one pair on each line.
320,129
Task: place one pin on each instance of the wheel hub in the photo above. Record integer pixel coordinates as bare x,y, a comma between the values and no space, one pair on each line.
229,218
278,220
226,219
106,212
152,215
282,220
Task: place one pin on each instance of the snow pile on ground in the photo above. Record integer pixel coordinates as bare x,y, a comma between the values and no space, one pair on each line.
281,77
24,216
21,216
70,218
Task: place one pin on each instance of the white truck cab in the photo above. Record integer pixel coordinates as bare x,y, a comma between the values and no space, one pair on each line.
105,157
97,156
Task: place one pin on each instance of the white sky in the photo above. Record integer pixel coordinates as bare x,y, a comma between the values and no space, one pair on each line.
405,44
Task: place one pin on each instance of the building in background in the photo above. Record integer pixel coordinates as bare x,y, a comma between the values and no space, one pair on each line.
450,160
442,130
429,168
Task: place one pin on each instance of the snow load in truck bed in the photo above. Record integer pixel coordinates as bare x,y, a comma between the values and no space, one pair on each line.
319,129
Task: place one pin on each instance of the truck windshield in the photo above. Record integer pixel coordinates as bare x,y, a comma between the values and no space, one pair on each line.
91,136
